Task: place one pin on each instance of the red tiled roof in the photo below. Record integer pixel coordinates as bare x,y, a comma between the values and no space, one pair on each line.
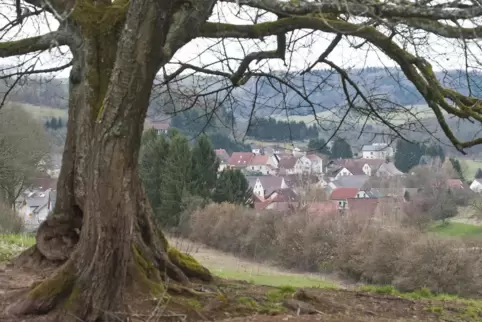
288,163
344,193
455,183
240,159
355,170
260,160
161,126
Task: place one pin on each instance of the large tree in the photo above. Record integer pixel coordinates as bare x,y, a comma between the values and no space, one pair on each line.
118,47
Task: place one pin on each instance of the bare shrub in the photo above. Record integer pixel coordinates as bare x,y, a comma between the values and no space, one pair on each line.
377,249
372,254
10,222
441,265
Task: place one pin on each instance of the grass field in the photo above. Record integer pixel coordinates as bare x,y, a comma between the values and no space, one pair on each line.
456,229
43,112
470,167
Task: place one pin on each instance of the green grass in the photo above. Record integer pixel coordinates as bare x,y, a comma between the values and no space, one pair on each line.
470,167
455,229
13,244
276,280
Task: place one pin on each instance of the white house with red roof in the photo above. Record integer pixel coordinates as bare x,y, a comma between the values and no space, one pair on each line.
240,160
266,164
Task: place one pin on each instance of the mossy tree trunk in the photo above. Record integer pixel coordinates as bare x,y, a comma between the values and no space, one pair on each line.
100,236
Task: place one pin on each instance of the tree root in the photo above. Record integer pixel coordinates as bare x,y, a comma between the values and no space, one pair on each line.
64,289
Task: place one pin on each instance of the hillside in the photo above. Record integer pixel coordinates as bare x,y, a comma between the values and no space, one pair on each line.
390,92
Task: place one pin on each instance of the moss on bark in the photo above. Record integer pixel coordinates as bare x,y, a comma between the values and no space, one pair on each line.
189,265
61,282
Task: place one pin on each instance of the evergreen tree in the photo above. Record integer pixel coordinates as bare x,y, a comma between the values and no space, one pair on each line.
407,155
233,187
60,123
318,146
341,149
152,160
478,174
435,150
53,123
176,177
47,124
458,168
205,165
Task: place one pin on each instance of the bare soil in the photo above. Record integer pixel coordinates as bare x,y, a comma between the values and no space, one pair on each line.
228,300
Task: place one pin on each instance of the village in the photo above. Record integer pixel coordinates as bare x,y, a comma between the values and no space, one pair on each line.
285,180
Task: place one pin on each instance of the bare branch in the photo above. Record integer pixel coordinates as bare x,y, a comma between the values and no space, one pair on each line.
33,44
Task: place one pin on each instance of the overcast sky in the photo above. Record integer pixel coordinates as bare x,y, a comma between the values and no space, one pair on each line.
441,53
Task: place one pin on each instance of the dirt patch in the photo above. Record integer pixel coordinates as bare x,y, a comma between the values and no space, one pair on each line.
228,300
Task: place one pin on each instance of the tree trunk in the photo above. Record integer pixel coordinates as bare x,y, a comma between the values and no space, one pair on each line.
100,237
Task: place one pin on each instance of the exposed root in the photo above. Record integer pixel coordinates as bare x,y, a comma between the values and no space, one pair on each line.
189,266
44,296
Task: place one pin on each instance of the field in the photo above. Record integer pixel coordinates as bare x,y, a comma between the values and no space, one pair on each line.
272,294
457,229
416,112
470,167
43,112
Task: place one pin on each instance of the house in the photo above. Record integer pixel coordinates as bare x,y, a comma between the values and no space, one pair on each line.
377,151
280,200
223,157
388,169
476,185
264,186
365,207
354,181
295,165
316,163
266,164
160,127
287,165
240,160
344,193
302,180
455,184
258,150
338,173
35,207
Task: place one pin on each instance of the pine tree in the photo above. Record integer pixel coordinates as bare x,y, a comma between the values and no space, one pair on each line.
478,174
60,123
458,168
47,124
53,123
407,155
176,178
153,155
318,146
233,187
205,165
341,149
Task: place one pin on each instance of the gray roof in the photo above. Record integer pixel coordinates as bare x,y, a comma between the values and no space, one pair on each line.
355,181
389,168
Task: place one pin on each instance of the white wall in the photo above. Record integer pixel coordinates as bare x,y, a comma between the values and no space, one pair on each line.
343,172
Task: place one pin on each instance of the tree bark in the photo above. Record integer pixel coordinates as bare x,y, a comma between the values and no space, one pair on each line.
100,237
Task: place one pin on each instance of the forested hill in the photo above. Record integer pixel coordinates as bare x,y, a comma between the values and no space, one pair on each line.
323,87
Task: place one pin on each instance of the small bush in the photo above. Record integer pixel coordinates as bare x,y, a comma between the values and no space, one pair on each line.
10,222
379,250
